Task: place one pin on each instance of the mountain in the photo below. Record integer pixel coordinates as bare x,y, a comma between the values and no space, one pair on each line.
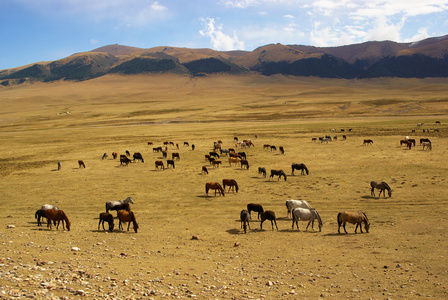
426,58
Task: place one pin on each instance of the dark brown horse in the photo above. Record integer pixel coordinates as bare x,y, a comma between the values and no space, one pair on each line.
231,183
204,170
127,217
106,217
214,186
244,217
382,186
160,164
367,142
245,163
81,164
269,215
57,215
255,207
278,173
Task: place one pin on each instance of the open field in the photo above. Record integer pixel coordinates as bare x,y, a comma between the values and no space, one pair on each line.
403,256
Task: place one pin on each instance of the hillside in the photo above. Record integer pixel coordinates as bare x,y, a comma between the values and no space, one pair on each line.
426,58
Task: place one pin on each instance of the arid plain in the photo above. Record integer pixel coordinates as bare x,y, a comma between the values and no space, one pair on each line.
403,256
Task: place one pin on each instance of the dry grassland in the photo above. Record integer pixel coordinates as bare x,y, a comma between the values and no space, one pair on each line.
403,256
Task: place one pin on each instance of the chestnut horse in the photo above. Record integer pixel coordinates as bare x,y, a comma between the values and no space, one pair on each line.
354,218
57,215
127,217
231,183
214,186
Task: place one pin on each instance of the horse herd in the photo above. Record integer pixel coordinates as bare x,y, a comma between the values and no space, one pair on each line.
124,214
301,210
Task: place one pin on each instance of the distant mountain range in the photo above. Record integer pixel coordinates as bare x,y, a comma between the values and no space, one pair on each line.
426,58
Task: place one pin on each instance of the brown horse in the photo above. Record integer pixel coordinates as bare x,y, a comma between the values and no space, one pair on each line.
81,164
367,142
216,163
244,217
234,160
268,215
175,155
214,186
159,163
231,183
279,173
204,170
127,217
255,207
245,163
354,218
106,217
382,186
57,215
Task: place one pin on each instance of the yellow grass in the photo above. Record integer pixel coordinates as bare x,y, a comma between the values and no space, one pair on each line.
403,256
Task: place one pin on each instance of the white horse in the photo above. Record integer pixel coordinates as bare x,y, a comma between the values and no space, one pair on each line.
49,206
111,204
305,214
291,204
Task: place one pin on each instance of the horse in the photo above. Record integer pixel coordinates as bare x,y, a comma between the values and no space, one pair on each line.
367,142
59,165
81,164
214,154
175,155
40,213
273,148
114,155
106,217
245,163
268,215
111,204
57,215
424,140
234,160
231,183
159,163
150,143
301,167
169,163
427,145
186,144
279,173
157,149
127,153
282,151
412,141
138,156
214,186
235,155
305,214
244,217
255,207
164,153
216,163
266,146
292,204
125,160
127,217
243,154
382,186
403,142
354,218
262,170
104,156
224,151
204,169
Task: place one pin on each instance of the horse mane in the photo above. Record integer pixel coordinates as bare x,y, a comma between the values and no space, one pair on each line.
365,216
387,186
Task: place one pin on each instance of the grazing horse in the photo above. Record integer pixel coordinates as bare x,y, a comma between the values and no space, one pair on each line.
214,154
138,156
409,144
382,186
106,217
127,217
245,163
159,163
111,204
81,164
266,146
175,155
169,163
204,169
282,151
214,186
224,151
40,213
244,217
427,145
268,215
127,153
114,155
367,142
164,153
424,140
186,144
216,163
104,156
273,148
231,183
292,204
59,165
403,142
124,160
279,173
305,214
354,218
301,167
57,215
262,170
255,207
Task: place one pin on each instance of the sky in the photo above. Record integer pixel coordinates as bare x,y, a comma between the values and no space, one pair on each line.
45,30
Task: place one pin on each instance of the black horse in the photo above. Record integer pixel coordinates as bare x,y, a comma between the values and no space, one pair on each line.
279,173
301,167
262,170
255,207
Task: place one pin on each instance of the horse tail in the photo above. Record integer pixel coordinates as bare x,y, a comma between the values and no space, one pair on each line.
339,219
206,188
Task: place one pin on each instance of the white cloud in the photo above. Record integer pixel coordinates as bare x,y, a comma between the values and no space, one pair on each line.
220,40
421,35
93,41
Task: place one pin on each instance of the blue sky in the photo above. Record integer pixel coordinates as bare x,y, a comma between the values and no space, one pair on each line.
44,30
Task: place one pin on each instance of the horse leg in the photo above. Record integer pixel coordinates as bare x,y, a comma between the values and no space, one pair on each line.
129,224
49,223
372,192
309,222
120,226
275,222
356,228
343,225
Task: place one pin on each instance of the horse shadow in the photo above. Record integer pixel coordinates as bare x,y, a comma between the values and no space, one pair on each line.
369,197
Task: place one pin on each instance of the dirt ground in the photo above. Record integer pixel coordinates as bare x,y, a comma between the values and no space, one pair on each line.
191,245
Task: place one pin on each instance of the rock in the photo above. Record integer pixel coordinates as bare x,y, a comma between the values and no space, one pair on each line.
75,249
195,237
11,226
